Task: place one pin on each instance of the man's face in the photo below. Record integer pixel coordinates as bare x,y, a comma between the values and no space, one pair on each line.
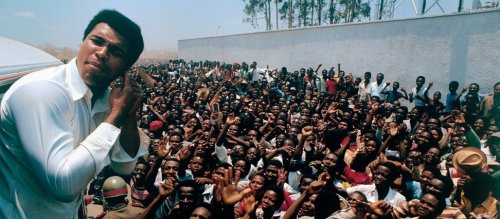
380,77
186,198
233,130
170,169
175,142
395,86
427,205
425,179
367,76
497,90
432,156
252,154
139,172
241,165
103,56
330,161
381,176
196,165
436,187
420,82
271,173
473,88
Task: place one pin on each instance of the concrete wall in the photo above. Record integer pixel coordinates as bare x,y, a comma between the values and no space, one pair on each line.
463,47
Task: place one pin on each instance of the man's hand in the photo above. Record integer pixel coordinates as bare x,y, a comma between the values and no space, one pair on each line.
380,208
168,186
124,101
229,187
307,131
163,151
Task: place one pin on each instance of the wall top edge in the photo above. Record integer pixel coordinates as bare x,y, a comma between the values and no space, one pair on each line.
467,13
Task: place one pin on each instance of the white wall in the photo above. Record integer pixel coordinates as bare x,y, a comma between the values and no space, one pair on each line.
463,47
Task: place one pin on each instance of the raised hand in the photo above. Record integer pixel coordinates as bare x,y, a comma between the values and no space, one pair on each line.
124,100
380,208
163,151
184,153
282,176
393,129
316,186
307,131
168,186
230,120
249,203
228,185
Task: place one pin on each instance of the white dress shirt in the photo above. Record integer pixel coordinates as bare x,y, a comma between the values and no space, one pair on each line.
376,89
52,143
394,198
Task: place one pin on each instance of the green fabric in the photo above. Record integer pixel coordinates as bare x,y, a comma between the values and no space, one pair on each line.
473,139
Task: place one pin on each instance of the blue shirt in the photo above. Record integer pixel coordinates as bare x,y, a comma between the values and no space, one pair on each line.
451,103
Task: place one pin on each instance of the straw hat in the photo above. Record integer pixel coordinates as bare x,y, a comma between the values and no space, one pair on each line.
469,159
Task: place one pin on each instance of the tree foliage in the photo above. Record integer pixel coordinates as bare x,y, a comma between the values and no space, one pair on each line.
302,13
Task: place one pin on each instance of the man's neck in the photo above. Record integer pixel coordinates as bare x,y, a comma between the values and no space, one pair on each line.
96,93
382,191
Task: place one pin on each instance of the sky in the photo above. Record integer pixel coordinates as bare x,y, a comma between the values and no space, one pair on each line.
163,22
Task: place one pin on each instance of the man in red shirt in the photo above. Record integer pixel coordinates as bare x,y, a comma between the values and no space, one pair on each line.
331,85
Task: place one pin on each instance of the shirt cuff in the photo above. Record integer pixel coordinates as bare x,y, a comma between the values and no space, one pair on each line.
121,161
99,142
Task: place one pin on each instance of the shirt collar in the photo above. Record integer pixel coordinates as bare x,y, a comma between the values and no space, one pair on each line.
79,89
75,83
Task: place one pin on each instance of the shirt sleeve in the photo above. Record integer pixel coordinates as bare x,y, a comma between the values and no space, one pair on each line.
121,162
221,153
43,113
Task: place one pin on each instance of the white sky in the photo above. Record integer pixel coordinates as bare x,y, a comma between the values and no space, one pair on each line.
163,22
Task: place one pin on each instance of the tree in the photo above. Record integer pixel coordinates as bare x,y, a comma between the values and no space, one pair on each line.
287,13
354,9
301,13
254,9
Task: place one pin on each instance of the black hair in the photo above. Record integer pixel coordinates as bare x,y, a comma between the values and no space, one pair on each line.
422,77
124,26
211,208
448,184
280,196
440,206
395,171
326,202
247,166
478,87
439,131
276,163
360,162
191,184
454,84
432,169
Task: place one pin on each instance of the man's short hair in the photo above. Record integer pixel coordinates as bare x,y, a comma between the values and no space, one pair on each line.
454,84
275,163
124,26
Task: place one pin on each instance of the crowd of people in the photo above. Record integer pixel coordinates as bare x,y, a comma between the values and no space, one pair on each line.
239,141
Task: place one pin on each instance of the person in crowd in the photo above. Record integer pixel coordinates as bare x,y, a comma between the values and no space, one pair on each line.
115,193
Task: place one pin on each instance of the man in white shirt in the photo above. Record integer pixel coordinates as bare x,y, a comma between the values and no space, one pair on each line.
383,178
377,87
257,73
61,126
364,87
